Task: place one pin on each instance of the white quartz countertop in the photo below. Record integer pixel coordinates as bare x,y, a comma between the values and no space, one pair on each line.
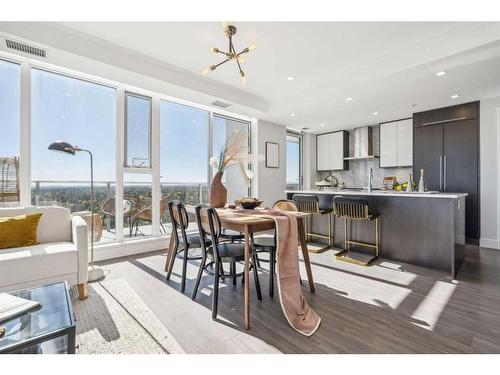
381,193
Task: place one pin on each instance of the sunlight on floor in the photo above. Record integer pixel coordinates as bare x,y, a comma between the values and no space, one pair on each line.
433,304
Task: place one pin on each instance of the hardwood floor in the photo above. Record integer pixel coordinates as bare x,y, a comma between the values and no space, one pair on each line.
386,308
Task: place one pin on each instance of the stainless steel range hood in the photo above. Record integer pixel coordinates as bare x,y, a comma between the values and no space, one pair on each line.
363,144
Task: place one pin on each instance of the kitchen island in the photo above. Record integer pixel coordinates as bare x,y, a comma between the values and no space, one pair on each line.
424,229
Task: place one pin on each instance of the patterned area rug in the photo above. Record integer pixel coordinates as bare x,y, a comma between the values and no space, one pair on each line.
115,320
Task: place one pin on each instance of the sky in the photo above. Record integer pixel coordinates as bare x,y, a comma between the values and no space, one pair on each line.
84,114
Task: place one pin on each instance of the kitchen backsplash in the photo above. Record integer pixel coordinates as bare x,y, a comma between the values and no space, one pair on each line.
357,175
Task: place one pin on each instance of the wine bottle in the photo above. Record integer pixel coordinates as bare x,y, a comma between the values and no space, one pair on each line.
421,182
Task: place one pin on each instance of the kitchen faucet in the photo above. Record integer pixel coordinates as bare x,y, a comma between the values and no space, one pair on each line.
370,180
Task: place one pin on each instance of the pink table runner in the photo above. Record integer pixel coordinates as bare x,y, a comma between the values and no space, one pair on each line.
298,313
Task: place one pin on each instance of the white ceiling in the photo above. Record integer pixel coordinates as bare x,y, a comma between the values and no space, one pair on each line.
385,67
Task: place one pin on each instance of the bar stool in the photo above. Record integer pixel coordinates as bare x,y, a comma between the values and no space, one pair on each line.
356,209
310,204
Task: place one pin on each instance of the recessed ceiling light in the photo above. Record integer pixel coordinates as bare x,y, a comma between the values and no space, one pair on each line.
375,113
455,96
321,124
441,73
292,114
290,78
348,99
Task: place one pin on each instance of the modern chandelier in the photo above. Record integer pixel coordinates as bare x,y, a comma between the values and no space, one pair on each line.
230,31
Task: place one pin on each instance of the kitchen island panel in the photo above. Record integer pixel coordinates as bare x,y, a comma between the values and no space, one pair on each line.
424,232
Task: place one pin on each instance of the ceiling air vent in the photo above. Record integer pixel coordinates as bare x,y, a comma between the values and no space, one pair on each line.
305,128
26,48
220,104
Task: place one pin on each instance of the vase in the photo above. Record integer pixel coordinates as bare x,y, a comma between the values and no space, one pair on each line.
218,192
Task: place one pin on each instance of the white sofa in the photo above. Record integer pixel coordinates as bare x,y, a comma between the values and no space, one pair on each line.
61,255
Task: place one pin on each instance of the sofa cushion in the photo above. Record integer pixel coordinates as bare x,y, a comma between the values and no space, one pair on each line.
24,264
17,231
54,225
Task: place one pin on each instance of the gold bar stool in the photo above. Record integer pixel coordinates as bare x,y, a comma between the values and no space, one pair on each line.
310,204
356,209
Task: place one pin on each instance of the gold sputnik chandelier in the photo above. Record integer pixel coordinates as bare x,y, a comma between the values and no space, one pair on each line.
230,31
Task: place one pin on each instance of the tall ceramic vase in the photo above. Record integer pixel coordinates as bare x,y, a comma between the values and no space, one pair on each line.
218,192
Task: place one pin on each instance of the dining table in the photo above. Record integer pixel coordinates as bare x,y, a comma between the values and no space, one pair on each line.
248,224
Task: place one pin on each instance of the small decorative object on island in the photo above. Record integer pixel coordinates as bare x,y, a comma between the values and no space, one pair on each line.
421,182
233,152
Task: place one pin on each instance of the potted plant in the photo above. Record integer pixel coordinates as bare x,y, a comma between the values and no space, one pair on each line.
234,152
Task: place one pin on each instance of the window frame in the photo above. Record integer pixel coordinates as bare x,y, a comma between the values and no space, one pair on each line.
214,114
300,137
130,168
22,133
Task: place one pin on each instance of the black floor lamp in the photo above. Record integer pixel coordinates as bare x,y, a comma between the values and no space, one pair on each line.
95,273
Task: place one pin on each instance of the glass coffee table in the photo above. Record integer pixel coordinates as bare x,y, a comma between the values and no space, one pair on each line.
49,328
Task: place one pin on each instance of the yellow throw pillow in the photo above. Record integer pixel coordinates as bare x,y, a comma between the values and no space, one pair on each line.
18,231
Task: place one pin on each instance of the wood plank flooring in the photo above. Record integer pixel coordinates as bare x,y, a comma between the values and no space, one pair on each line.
386,308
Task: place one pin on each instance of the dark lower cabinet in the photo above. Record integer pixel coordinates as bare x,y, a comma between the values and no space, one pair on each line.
448,150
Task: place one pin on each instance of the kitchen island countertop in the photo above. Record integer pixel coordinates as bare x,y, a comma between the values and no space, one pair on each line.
379,193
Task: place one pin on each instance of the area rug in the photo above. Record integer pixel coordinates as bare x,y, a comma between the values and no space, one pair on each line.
115,320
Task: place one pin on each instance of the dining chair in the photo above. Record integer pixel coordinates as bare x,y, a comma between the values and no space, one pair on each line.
183,243
232,235
217,253
267,243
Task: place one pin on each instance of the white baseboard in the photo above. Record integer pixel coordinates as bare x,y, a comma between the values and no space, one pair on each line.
489,243
130,247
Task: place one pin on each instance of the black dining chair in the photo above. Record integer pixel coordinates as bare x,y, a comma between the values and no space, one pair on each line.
267,243
217,253
184,242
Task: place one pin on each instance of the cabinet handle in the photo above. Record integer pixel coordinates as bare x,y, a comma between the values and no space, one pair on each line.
440,172
444,173
443,121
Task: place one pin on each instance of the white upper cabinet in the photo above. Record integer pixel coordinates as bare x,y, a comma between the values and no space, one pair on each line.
323,152
330,151
337,151
389,144
405,143
396,144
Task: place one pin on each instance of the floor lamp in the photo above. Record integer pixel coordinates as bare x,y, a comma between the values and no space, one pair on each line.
95,272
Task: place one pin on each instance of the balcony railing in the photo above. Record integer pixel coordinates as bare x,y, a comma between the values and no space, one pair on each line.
75,195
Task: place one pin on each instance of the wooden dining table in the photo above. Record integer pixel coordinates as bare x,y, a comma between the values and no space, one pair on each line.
249,223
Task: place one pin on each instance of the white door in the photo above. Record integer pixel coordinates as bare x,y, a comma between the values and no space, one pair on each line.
405,143
337,151
323,152
389,144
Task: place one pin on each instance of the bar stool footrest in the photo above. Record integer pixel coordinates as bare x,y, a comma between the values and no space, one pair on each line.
356,257
316,247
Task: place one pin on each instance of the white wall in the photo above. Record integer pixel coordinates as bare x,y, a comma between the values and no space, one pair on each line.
270,182
490,176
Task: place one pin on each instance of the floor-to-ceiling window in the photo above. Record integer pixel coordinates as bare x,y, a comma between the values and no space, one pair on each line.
146,148
83,114
183,152
137,177
223,127
10,112
293,161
